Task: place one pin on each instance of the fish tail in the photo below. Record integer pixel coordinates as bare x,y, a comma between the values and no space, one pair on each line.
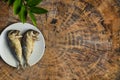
19,63
27,64
18,66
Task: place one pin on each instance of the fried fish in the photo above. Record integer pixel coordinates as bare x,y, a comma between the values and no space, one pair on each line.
28,41
14,39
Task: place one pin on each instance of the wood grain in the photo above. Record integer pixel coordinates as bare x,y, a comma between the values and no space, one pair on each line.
82,41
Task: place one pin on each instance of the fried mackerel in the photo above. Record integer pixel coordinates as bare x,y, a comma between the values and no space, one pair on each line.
28,40
14,39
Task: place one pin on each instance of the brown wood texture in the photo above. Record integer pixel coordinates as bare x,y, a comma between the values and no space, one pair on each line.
82,41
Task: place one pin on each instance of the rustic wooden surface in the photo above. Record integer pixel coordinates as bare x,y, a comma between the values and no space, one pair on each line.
82,41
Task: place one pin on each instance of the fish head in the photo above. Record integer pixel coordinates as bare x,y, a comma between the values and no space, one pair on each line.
13,34
33,34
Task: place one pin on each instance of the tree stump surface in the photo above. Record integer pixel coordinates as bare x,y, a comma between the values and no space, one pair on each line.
82,41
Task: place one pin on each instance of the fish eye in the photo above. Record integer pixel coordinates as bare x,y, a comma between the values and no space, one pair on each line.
35,32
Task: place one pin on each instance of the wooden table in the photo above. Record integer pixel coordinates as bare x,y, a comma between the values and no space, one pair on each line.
82,41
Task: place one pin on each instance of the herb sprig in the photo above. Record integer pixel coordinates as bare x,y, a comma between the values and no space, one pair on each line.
25,8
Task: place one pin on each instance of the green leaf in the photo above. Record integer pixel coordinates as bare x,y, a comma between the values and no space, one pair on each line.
10,2
32,18
23,14
32,3
38,10
17,6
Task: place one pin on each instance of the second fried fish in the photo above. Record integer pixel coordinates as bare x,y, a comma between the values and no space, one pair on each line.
28,41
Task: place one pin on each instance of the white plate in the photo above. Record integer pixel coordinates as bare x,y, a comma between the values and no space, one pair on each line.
5,52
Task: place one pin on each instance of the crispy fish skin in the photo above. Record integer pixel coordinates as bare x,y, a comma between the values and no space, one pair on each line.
29,39
15,43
